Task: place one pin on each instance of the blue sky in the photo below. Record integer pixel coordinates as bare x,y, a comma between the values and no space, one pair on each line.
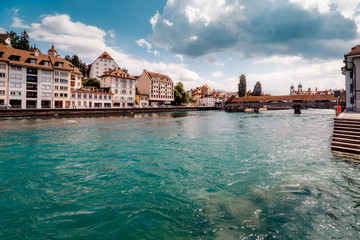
276,42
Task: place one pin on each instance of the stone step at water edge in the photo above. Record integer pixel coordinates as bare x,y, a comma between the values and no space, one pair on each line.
344,144
353,157
346,125
346,140
346,132
345,149
347,122
346,136
353,129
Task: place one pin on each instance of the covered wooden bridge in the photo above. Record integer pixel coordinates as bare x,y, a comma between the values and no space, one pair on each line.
297,102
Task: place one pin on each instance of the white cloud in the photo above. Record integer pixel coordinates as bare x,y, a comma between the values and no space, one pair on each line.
217,74
193,38
89,42
2,30
254,28
111,33
167,22
17,23
179,56
154,20
323,74
143,43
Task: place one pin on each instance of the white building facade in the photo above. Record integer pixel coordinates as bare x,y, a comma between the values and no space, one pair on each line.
103,63
121,85
351,70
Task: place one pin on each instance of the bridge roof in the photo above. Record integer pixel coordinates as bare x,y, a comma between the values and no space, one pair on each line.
320,97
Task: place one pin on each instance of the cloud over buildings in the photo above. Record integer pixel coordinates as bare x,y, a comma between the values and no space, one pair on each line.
89,42
253,28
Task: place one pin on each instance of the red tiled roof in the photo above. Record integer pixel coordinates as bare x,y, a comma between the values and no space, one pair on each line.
158,76
117,73
354,50
23,57
105,55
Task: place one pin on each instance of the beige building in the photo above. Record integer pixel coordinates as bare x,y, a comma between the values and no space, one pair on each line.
142,100
121,85
4,80
66,77
159,88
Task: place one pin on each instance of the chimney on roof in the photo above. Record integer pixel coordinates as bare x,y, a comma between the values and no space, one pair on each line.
36,52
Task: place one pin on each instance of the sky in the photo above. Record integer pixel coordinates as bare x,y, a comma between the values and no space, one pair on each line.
276,42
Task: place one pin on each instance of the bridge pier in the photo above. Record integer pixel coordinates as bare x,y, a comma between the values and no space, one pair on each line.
297,109
256,109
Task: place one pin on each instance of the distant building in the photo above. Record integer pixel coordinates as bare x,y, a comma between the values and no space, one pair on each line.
207,101
6,38
121,85
103,63
159,88
142,100
300,90
292,90
351,70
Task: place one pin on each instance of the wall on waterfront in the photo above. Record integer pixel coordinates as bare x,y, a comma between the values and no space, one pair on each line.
4,113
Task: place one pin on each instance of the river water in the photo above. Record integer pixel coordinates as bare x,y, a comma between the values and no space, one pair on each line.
194,175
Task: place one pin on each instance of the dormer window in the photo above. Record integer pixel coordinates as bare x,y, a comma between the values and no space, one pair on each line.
14,58
32,61
60,64
46,63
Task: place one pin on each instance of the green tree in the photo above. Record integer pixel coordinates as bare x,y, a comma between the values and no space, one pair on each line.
242,86
24,42
14,38
93,82
76,61
67,58
3,41
180,95
257,89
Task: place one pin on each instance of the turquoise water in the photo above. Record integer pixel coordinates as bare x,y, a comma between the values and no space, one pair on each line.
195,175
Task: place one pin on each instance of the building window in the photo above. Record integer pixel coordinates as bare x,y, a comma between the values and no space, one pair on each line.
32,71
2,92
15,68
2,83
46,72
31,78
15,93
15,85
2,75
2,66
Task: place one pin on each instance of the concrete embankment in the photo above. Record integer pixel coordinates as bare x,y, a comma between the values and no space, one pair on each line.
6,113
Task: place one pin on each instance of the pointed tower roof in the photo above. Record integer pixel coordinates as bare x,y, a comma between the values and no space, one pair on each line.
106,56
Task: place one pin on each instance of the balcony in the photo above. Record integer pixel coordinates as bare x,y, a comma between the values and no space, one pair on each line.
31,94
